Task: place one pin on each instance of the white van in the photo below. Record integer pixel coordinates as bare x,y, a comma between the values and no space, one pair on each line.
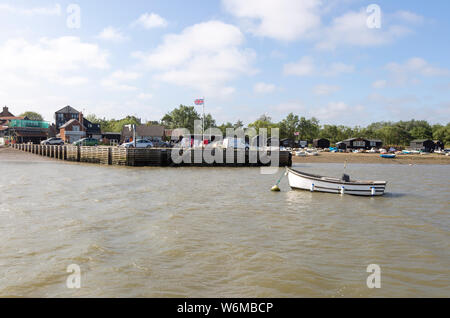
235,143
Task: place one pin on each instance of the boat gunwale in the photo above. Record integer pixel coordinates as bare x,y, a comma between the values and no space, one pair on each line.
335,180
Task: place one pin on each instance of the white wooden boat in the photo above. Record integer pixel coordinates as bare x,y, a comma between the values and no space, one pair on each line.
315,183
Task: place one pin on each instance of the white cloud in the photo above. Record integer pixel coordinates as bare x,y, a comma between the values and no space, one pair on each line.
145,96
150,21
264,88
306,66
112,34
205,57
409,71
46,11
333,111
335,69
118,79
379,84
417,65
328,113
54,60
325,90
284,20
409,17
351,29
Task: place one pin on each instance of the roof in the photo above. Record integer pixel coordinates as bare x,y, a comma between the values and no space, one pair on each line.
421,140
67,110
12,118
91,127
352,139
145,131
31,133
315,140
6,113
72,121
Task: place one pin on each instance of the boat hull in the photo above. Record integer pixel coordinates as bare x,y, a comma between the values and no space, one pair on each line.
301,181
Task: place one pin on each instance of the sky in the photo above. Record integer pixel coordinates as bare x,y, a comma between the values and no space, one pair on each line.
337,60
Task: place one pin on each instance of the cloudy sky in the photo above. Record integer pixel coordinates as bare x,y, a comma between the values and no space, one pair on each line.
311,57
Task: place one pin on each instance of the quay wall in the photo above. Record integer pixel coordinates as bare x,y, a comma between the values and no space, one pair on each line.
159,157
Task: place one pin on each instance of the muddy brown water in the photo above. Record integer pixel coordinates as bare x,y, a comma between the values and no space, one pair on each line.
219,232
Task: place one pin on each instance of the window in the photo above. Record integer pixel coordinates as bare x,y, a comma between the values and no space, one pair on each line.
359,143
75,128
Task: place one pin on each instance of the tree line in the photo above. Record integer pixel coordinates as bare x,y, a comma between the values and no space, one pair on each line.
297,127
293,127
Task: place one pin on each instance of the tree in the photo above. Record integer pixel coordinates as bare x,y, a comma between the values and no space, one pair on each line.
442,133
289,126
421,132
32,116
117,125
264,121
181,117
238,124
308,128
210,122
223,127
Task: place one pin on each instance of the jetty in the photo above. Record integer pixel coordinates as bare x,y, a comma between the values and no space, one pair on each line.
157,157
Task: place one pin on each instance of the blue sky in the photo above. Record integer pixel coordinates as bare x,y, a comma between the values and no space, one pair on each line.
247,58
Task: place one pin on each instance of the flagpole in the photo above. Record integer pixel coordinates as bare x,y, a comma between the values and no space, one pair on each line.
203,123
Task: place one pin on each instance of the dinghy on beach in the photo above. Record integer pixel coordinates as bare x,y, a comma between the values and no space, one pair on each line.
316,183
388,156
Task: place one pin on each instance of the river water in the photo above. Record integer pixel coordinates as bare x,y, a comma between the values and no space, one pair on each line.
220,232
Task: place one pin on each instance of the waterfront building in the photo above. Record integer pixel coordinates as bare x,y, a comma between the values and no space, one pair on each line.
321,143
72,131
426,145
68,113
359,143
19,129
153,133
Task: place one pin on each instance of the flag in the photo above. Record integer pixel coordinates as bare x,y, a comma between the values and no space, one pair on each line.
199,101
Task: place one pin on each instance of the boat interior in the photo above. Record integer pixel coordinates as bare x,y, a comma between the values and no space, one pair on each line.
345,178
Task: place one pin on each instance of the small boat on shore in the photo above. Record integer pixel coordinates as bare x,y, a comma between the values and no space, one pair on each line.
316,183
388,156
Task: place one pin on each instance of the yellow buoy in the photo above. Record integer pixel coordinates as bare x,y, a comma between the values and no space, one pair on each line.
275,188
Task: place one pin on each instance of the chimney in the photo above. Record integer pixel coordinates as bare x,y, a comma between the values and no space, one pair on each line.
80,119
5,109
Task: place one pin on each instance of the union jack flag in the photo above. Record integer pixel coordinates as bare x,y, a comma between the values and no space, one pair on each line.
199,101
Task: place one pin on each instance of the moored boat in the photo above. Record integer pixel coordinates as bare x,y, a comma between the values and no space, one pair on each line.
388,156
316,183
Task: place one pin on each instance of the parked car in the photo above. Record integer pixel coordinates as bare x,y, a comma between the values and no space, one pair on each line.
140,143
235,143
86,142
159,143
53,142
